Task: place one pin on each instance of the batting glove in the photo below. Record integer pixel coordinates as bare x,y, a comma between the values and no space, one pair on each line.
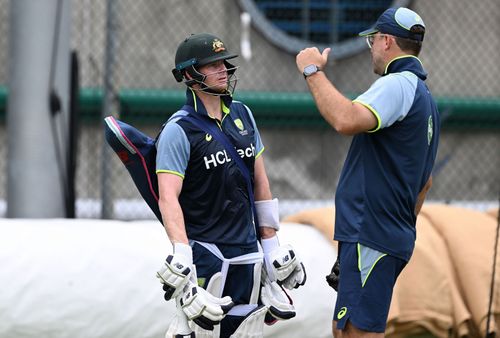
282,264
176,271
279,304
202,308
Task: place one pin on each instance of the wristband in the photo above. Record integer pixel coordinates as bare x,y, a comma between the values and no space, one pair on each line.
184,250
268,213
269,244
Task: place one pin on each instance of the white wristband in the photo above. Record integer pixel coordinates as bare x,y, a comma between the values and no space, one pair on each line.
269,244
268,213
184,250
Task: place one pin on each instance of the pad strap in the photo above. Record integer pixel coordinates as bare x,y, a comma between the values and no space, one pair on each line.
251,258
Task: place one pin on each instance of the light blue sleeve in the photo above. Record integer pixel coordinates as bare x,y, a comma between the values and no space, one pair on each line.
173,150
259,146
390,98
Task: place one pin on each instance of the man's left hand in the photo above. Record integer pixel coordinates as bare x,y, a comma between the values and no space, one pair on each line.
284,266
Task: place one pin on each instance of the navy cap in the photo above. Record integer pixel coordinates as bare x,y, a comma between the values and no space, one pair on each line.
398,22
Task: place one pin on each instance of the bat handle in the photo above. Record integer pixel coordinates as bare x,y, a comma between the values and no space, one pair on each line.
183,329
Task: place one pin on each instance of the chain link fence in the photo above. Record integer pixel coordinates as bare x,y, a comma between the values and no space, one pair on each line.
303,155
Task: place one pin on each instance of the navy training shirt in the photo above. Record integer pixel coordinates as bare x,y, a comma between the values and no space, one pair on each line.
386,168
214,197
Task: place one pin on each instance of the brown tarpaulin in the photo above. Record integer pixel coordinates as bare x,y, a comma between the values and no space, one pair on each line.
445,288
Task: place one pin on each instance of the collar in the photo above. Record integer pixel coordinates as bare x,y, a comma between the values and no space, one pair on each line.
194,101
406,63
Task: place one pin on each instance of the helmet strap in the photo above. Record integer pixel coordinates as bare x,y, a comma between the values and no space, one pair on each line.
199,78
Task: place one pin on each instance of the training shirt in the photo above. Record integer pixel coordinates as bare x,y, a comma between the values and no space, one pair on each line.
214,197
386,168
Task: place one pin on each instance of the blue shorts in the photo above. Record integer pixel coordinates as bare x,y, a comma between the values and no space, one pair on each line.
366,282
239,281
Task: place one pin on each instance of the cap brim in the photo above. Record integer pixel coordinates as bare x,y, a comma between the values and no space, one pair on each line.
369,31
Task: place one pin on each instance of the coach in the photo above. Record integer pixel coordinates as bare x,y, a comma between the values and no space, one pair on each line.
387,172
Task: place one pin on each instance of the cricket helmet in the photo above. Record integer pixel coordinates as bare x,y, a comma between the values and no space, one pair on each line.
198,50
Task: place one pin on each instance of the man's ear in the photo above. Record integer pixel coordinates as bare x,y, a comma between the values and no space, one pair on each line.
389,41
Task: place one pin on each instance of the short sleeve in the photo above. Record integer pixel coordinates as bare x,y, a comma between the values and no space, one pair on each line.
390,98
259,146
173,150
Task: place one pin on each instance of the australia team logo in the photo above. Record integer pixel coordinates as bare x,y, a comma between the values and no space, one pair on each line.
239,125
218,46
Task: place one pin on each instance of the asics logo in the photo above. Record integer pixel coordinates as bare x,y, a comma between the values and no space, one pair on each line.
342,313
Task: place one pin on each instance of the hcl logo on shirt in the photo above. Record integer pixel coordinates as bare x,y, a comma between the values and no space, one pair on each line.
221,157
